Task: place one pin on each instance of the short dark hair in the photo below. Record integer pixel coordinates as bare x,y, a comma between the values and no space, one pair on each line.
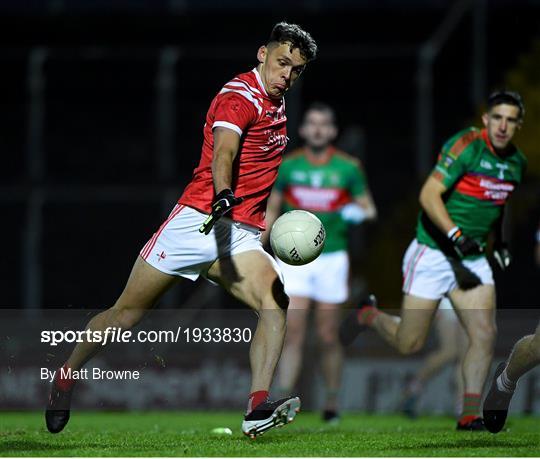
283,32
504,96
322,107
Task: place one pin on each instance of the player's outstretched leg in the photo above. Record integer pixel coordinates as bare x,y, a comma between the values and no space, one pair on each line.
496,403
358,320
524,357
58,406
144,287
407,333
253,277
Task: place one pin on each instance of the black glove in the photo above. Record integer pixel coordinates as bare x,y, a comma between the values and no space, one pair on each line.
465,245
465,278
502,254
223,203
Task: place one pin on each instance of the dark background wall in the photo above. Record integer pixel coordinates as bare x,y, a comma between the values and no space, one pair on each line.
103,136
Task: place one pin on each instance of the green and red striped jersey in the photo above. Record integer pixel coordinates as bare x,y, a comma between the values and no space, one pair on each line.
322,189
479,183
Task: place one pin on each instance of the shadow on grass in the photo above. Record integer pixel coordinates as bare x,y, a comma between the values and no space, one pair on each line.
19,446
464,443
29,445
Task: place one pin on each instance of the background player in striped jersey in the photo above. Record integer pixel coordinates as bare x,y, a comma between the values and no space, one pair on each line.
331,184
244,138
462,202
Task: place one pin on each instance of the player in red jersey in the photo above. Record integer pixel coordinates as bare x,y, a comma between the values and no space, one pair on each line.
244,138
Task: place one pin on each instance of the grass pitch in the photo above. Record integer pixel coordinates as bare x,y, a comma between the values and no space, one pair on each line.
189,434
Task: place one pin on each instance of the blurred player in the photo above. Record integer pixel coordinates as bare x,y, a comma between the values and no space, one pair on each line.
462,202
331,184
537,248
452,342
244,138
524,357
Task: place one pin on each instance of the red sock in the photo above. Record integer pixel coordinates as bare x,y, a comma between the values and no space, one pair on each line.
62,380
367,314
255,399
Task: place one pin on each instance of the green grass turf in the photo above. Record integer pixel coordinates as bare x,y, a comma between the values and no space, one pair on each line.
188,434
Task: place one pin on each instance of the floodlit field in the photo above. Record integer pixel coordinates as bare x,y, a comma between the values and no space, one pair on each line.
189,434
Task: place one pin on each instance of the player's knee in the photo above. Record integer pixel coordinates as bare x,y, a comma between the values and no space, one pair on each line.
126,318
407,346
328,337
329,341
295,334
448,355
484,335
278,294
293,338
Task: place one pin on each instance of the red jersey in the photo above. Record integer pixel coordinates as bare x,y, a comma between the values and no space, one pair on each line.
244,107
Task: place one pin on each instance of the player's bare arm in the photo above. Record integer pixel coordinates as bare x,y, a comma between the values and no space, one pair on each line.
433,204
501,253
226,146
273,209
368,206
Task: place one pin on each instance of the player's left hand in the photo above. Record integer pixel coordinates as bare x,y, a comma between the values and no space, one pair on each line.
465,278
502,254
224,201
353,213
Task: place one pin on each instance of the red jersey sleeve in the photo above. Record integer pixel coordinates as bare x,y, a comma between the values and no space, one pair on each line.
234,111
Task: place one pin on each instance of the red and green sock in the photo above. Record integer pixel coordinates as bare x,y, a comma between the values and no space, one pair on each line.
471,407
367,314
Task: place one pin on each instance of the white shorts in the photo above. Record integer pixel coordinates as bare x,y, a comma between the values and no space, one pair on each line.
177,247
428,274
325,279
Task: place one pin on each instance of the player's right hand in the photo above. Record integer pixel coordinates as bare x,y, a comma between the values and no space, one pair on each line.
224,201
464,245
502,255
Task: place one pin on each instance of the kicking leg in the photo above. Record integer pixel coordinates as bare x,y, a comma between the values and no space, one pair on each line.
253,278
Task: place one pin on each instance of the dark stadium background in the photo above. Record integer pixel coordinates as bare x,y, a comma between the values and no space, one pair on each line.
103,105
